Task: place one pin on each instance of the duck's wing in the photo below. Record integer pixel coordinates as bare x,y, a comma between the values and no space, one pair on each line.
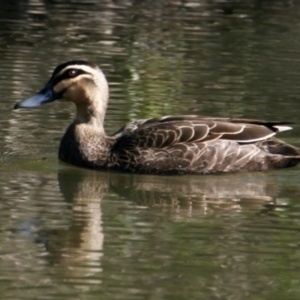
167,131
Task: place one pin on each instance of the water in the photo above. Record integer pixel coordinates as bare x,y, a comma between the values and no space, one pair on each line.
69,233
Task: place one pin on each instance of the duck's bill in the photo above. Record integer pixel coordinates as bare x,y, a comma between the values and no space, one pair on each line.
44,96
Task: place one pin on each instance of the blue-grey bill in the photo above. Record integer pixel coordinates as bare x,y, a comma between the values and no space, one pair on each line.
44,96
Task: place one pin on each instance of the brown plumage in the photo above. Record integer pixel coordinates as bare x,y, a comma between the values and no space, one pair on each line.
168,145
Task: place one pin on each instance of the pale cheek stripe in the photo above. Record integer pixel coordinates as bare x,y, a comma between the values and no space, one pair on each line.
65,83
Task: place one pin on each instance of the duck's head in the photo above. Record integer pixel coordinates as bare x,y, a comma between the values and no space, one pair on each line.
77,81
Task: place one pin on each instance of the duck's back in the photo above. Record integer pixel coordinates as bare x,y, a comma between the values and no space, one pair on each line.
180,145
202,145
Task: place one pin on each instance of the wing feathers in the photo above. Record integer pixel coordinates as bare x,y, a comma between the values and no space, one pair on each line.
170,130
282,128
196,144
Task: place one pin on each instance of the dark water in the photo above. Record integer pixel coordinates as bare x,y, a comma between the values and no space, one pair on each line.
67,233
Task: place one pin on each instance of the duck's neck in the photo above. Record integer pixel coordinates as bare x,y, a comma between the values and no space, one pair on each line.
90,116
92,112
92,105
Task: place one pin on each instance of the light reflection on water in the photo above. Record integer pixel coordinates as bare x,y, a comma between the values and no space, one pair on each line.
66,231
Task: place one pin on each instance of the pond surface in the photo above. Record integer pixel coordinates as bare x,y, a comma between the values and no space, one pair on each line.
69,233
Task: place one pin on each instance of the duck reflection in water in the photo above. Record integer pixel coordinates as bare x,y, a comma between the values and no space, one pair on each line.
78,251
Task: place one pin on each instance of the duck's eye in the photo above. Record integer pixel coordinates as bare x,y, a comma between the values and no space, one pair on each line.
72,73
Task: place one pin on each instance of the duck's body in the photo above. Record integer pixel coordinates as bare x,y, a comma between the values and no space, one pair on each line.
167,145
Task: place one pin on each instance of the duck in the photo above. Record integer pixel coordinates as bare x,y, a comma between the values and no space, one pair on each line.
169,145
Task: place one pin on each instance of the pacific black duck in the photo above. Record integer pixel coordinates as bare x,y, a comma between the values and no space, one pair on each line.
184,144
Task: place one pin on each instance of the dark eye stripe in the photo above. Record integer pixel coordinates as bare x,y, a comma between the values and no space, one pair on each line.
66,75
73,62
